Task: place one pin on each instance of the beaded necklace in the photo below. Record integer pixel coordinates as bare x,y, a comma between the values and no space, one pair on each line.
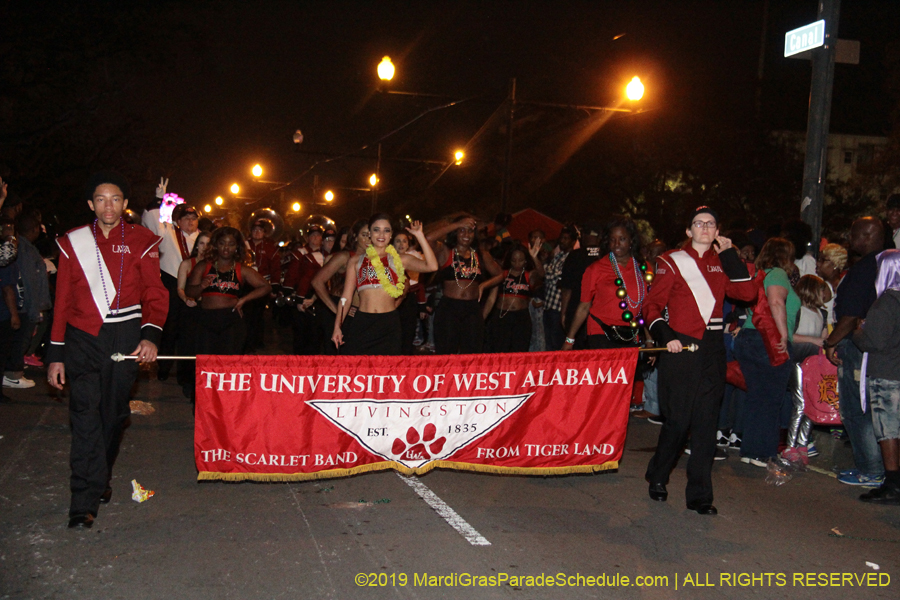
460,269
121,268
629,306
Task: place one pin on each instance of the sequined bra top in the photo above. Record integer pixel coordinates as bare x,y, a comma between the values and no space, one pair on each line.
367,278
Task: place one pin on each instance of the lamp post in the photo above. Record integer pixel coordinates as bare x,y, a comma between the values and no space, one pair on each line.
634,91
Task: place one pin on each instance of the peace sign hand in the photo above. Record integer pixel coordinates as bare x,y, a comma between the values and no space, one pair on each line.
161,188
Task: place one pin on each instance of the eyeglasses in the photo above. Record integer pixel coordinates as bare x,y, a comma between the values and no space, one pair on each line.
704,224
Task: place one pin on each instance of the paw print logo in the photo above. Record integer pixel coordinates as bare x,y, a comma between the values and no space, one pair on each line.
416,447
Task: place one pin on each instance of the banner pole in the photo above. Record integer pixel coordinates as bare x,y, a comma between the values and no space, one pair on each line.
119,357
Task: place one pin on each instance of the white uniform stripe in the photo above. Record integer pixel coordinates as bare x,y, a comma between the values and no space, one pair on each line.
449,515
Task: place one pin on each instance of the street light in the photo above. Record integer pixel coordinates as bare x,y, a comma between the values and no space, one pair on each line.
635,89
296,207
219,200
329,196
458,157
235,188
207,209
386,69
373,180
256,170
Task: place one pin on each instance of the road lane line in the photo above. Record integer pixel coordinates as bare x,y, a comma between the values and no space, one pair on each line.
332,590
449,515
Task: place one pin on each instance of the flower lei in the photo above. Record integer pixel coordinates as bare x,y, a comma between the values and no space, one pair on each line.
394,291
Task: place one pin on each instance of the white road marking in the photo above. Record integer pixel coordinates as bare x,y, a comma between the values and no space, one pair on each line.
331,589
449,515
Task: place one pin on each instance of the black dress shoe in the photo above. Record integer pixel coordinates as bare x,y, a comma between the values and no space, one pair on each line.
81,521
658,492
882,495
106,496
703,508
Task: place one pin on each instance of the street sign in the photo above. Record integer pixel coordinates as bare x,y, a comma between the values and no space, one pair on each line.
804,38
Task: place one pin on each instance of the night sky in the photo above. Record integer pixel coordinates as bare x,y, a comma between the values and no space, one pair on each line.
201,91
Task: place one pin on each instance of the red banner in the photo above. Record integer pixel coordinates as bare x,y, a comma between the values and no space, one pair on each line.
277,418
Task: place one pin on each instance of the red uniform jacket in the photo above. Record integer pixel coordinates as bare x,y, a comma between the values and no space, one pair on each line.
725,274
80,284
267,260
301,269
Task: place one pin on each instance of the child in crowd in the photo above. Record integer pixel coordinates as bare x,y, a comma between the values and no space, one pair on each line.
808,338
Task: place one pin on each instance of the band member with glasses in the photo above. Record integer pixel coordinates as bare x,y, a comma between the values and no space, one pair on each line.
684,306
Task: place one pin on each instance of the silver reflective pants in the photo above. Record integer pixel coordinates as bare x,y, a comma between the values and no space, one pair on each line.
800,425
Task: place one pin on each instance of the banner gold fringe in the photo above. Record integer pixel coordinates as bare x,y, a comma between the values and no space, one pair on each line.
387,465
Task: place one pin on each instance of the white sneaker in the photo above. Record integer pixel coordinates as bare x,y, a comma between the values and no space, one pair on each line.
21,382
753,461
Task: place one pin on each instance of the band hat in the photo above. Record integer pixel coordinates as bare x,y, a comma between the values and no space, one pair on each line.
101,177
183,210
330,233
701,210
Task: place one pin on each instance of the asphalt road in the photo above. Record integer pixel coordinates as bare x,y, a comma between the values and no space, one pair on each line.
320,539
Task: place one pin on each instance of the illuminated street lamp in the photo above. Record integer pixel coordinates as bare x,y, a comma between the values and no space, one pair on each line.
329,196
296,207
256,170
386,69
235,188
207,208
219,200
635,89
373,180
458,157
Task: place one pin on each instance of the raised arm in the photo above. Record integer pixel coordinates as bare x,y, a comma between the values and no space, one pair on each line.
430,264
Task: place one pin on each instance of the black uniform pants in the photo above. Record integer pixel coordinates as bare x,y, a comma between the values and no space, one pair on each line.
254,317
458,327
168,345
98,406
307,333
691,385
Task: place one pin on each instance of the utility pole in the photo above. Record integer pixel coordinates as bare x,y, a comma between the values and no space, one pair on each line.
504,192
815,164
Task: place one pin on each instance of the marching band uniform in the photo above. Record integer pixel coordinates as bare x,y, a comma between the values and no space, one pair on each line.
303,265
267,262
691,288
109,297
174,247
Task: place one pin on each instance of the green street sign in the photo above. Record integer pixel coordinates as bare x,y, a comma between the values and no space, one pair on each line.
804,38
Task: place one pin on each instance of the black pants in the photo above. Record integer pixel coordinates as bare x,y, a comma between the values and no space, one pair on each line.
168,345
188,344
6,345
372,334
307,333
509,333
15,359
691,385
254,314
409,320
458,327
220,331
98,406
